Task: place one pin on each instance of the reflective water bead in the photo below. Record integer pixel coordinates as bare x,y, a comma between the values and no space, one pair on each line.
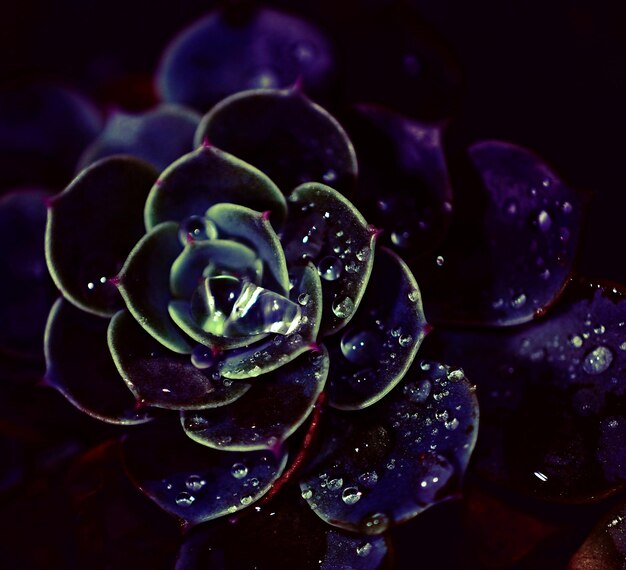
195,483
518,301
343,307
330,268
576,341
364,550
418,392
368,479
597,360
360,346
567,208
401,239
363,254
202,357
405,340
184,499
335,484
306,494
351,495
329,176
544,221
440,260
375,523
246,500
238,470
303,298
196,228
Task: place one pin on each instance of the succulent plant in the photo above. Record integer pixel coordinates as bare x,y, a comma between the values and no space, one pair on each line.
240,300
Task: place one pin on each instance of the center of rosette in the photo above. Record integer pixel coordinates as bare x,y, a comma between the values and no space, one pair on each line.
228,306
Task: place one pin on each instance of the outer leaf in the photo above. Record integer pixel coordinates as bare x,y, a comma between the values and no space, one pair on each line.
511,248
194,483
85,242
26,289
327,229
552,402
285,135
161,378
208,176
273,409
376,350
266,48
304,542
158,136
388,463
144,285
264,357
79,365
234,221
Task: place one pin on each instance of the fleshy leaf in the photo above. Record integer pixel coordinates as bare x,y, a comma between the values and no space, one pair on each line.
327,229
405,157
208,176
552,404
374,352
192,482
232,50
43,130
269,355
605,548
26,289
275,406
80,366
285,135
238,222
158,136
161,378
388,463
512,242
305,542
144,283
86,243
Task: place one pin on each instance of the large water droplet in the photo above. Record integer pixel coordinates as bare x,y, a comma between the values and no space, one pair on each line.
343,307
238,470
330,268
195,483
368,479
351,495
202,357
597,360
184,499
231,307
334,484
306,494
360,346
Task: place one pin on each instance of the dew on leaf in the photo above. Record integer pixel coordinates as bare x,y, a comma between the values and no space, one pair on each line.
184,499
364,550
238,470
597,360
330,268
418,392
360,346
195,483
351,495
202,357
343,307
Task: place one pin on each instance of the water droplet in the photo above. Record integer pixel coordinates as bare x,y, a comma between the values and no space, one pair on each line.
196,228
567,208
330,268
238,470
368,479
195,483
375,523
202,357
303,298
414,295
334,484
440,260
351,495
597,360
518,301
364,550
544,221
576,341
343,307
329,176
363,253
405,340
451,424
456,375
306,494
184,499
360,346
401,238
246,500
622,346
510,207
418,392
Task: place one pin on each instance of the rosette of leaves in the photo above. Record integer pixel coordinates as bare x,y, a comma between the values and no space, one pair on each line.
255,328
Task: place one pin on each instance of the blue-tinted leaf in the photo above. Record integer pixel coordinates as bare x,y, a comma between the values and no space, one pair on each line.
275,406
285,135
232,50
512,242
80,366
144,282
92,226
159,136
388,463
552,400
43,130
374,352
26,289
162,378
405,157
192,482
325,228
208,176
285,534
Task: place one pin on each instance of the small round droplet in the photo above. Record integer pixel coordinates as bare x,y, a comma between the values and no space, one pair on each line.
329,176
544,221
202,357
330,268
303,298
518,301
246,500
334,484
405,340
567,208
306,494
343,307
576,341
363,253
375,523
418,392
360,346
597,360
351,495
401,238
368,479
196,228
364,550
184,499
238,470
451,424
195,483
440,261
